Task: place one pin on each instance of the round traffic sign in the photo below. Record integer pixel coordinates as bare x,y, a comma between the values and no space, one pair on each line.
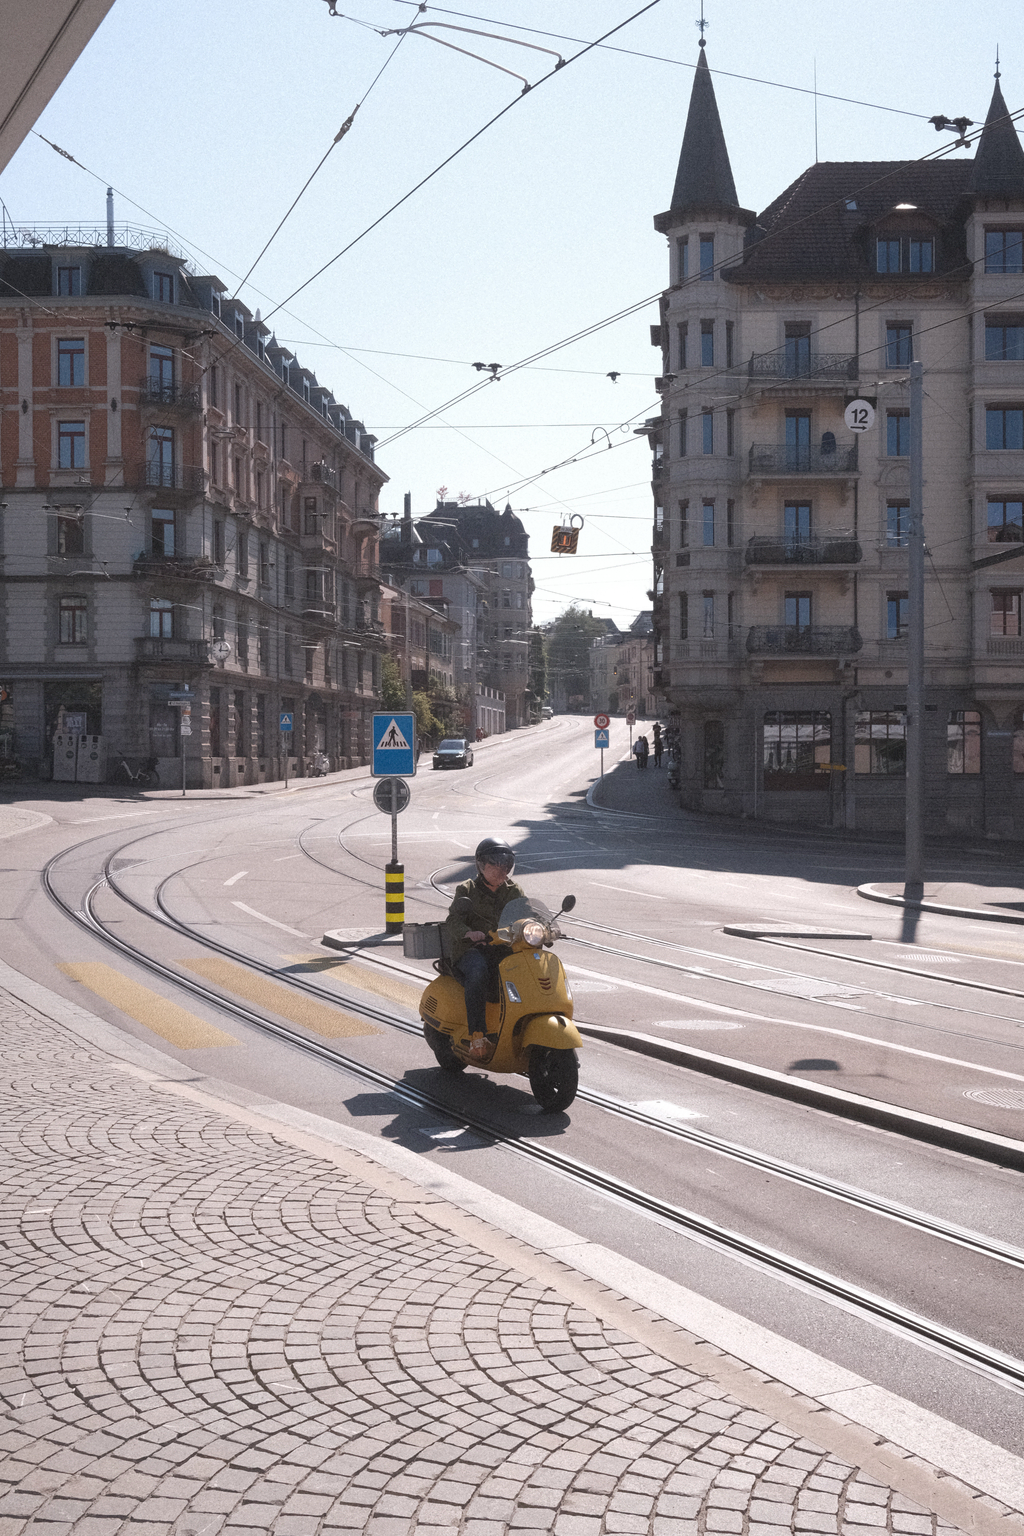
631,718
602,722
382,794
859,415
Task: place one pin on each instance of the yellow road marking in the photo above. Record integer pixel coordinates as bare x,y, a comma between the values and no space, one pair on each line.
323,1019
157,1013
378,982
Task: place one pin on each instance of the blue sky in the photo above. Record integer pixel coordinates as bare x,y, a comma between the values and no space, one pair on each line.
210,114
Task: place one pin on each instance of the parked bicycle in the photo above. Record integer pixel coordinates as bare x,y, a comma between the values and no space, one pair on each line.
143,777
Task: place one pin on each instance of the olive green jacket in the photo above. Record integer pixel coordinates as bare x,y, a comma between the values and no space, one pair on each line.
476,908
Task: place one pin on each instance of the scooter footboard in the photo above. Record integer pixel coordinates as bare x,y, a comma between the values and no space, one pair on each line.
552,1030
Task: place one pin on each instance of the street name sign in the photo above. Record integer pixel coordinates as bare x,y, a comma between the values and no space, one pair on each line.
394,746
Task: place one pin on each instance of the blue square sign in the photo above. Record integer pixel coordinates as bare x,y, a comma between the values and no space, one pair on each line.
394,746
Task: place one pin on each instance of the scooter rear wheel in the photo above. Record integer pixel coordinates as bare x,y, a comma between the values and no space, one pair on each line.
442,1048
554,1078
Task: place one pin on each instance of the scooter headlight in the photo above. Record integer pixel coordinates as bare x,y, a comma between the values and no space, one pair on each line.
533,933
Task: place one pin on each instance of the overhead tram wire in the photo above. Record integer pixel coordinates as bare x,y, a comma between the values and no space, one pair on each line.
590,46
342,131
658,58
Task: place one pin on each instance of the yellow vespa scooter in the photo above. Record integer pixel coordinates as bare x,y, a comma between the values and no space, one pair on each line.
529,1025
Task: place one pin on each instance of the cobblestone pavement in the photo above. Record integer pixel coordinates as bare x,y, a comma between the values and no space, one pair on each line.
207,1328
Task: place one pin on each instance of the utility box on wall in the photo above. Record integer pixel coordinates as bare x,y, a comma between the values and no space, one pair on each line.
65,757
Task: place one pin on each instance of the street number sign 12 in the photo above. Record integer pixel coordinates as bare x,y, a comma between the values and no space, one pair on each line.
859,415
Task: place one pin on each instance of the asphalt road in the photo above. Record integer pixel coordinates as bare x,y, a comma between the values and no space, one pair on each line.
925,1013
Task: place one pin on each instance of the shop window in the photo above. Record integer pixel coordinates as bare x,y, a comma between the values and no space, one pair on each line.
963,742
796,744
880,742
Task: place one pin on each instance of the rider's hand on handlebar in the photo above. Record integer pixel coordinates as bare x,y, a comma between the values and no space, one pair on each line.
476,937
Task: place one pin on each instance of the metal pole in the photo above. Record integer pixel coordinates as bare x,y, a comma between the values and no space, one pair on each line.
913,888
284,744
183,739
394,821
602,762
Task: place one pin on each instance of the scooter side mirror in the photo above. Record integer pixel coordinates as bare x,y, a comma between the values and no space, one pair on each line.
568,902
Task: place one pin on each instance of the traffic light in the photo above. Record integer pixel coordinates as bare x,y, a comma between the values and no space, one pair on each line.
564,540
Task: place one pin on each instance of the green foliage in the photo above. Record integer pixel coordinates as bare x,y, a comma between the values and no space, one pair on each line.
428,728
537,691
392,688
568,649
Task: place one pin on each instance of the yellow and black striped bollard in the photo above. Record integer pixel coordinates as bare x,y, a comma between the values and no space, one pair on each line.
394,897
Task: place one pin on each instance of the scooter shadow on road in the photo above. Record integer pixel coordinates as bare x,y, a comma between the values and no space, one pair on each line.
514,1109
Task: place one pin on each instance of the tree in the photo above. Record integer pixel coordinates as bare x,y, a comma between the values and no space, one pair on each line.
392,688
568,651
537,691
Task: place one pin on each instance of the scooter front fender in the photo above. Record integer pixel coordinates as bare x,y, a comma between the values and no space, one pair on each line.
552,1030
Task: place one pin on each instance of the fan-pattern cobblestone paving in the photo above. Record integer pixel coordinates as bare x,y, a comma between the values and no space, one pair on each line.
205,1329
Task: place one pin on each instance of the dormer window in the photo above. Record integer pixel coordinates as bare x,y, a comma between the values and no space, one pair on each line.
305,390
914,253
285,372
215,304
239,324
69,282
261,349
163,287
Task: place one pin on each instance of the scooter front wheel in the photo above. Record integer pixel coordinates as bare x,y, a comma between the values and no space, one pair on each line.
442,1048
554,1078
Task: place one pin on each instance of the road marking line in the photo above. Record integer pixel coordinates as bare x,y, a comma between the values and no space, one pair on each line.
821,1029
323,1019
272,921
164,1018
627,892
286,856
235,878
117,816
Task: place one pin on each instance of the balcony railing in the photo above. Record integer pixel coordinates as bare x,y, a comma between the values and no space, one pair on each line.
324,475
172,477
174,568
705,650
151,648
807,459
821,365
365,570
1000,646
802,640
184,397
823,549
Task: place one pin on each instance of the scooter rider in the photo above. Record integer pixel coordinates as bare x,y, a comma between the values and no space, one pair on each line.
476,908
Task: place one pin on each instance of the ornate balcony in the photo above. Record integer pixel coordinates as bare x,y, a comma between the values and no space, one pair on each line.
188,479
802,640
778,367
153,649
324,475
784,460
181,397
174,568
822,549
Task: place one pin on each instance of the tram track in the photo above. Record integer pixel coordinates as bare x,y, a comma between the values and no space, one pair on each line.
995,1364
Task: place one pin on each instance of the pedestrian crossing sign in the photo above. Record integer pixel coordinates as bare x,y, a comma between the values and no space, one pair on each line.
394,745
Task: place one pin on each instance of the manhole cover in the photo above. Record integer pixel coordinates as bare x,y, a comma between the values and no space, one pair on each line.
1000,1098
591,986
696,1024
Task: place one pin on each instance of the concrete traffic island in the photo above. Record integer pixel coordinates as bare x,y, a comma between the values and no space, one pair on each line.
225,1314
954,898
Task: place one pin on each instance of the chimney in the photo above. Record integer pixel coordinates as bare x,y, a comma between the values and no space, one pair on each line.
110,215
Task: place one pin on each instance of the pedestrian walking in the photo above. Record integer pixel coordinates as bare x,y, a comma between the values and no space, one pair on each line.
659,744
640,751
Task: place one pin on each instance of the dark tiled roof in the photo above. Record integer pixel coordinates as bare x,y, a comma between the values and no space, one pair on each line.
998,169
811,232
704,178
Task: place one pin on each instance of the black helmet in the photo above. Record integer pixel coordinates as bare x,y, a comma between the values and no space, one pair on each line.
494,850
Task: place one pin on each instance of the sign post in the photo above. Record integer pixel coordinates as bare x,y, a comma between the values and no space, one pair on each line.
601,741
631,721
287,725
394,756
183,701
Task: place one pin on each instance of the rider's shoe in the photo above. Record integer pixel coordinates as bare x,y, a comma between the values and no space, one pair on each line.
479,1047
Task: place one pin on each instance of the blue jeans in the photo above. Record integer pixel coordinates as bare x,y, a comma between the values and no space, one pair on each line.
474,970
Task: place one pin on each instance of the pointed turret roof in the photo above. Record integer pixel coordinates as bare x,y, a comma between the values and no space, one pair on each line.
704,177
998,169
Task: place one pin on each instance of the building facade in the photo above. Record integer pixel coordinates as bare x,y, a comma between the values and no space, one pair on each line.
186,509
779,541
